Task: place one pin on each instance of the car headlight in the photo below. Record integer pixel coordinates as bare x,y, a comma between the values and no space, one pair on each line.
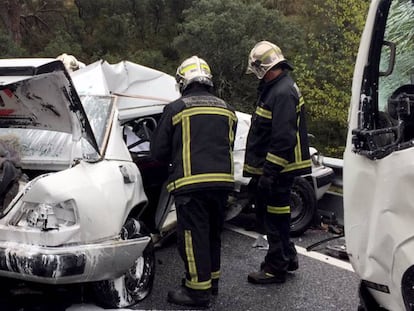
46,216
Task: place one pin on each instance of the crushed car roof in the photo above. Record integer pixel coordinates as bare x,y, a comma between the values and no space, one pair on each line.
140,90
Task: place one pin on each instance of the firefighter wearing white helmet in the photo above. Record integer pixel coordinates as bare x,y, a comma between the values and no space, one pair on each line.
263,57
193,69
277,151
195,135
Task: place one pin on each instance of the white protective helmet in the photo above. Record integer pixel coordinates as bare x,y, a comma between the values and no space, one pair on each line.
193,69
264,56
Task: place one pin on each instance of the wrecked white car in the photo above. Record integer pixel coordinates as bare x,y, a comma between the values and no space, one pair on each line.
71,195
81,198
141,95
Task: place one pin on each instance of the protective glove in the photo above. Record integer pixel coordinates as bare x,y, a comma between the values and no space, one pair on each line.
265,184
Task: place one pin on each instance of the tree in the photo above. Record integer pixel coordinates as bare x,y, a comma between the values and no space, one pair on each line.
23,17
223,33
10,17
8,48
288,8
325,68
320,38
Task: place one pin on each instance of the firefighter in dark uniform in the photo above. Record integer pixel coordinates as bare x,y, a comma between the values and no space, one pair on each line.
277,150
196,136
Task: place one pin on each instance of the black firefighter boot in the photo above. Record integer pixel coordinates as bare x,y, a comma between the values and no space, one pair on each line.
293,264
266,276
185,296
263,277
214,286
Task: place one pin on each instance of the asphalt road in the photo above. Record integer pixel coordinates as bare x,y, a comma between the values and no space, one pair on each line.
321,283
317,285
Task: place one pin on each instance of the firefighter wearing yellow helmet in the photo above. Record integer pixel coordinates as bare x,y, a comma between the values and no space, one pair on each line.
196,136
277,151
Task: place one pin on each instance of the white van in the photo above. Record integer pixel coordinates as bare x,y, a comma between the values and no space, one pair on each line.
379,159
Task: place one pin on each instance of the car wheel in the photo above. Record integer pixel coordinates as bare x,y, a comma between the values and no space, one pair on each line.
302,206
136,283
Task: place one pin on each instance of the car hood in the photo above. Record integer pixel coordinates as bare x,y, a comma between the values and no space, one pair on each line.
36,98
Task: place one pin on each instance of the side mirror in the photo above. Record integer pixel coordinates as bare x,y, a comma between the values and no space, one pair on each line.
391,60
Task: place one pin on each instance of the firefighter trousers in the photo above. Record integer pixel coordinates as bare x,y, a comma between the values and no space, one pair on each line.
273,216
200,219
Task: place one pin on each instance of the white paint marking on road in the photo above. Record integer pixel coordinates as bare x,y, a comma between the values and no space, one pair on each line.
301,250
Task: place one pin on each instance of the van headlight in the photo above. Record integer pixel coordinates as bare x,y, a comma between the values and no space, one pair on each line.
46,216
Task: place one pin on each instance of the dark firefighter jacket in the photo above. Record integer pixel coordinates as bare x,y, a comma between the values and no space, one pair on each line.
196,136
277,142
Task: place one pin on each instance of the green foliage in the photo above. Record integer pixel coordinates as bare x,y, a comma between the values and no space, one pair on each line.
320,38
326,68
153,59
223,32
61,43
8,48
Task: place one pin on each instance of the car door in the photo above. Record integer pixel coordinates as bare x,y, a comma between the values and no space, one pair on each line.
379,156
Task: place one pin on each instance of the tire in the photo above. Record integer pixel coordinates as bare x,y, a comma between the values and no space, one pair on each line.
302,206
136,284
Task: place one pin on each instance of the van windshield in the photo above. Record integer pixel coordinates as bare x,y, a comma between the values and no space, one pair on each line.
399,29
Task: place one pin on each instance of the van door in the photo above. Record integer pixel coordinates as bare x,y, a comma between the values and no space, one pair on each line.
379,157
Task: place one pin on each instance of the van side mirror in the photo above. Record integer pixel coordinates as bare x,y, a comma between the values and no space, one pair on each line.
391,60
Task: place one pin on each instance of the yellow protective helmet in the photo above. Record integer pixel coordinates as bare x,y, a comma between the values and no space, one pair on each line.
264,56
193,69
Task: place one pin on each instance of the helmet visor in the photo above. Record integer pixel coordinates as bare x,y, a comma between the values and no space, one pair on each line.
257,68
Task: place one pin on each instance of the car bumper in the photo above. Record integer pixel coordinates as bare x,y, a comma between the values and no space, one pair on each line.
69,264
322,178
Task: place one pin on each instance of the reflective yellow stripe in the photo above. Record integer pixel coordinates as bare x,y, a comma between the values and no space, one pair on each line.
267,114
184,118
231,138
203,110
189,253
298,147
200,178
269,274
295,166
186,146
194,66
301,103
215,274
278,209
252,170
271,51
198,285
298,150
276,160
177,118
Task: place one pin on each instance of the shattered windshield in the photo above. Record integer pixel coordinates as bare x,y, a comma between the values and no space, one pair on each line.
99,110
399,30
